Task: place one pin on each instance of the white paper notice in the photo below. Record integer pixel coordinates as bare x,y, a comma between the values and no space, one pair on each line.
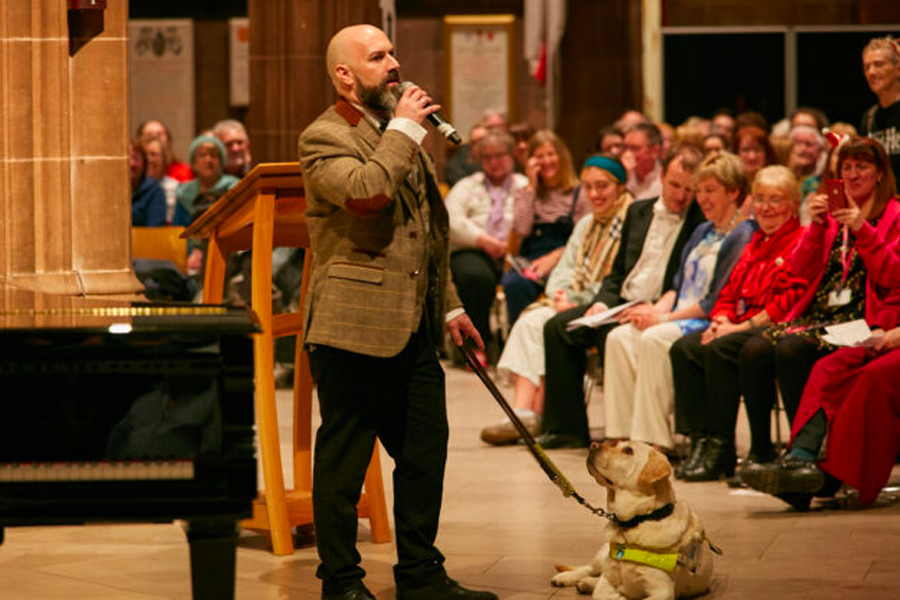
854,333
602,318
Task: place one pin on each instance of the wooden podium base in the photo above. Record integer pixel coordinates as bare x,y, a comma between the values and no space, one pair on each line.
300,508
266,209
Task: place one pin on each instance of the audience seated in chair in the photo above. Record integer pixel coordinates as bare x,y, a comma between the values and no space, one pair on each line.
759,290
148,201
587,259
637,377
642,151
480,208
653,236
544,214
207,156
851,280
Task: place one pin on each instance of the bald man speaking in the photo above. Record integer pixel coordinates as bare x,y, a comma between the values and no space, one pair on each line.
380,299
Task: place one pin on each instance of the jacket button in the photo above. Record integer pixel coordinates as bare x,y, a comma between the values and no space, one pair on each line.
414,274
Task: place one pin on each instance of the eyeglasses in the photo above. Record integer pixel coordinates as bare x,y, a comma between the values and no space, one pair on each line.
493,155
769,200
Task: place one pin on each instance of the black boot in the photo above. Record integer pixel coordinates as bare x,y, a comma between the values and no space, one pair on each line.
698,448
719,459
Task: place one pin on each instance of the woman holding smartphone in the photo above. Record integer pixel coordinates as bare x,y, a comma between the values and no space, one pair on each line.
848,277
851,258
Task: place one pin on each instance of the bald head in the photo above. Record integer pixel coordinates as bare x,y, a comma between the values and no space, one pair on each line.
360,61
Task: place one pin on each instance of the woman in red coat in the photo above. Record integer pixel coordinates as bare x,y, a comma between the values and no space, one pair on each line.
844,377
857,390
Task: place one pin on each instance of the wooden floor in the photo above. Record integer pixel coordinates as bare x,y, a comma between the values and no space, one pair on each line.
504,527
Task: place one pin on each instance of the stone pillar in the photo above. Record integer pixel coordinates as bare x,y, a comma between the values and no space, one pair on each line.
65,209
288,84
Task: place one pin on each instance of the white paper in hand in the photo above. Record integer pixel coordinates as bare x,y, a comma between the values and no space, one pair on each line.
601,318
855,333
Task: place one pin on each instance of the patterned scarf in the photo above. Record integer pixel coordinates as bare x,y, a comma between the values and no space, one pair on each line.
600,243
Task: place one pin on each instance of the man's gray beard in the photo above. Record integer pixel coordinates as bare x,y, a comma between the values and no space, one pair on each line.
378,97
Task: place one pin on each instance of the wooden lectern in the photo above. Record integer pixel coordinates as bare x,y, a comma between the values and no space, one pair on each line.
265,210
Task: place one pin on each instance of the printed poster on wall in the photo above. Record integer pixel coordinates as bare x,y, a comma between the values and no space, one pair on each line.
239,51
161,68
480,74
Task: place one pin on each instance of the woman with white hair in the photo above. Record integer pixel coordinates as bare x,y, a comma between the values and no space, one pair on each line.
760,290
881,66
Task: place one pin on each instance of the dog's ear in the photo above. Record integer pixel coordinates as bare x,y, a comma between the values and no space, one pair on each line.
657,468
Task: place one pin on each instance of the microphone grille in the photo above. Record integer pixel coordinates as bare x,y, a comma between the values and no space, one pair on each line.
403,85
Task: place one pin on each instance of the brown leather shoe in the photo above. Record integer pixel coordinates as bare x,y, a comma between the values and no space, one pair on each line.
505,432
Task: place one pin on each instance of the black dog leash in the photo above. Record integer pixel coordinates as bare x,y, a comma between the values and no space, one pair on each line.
538,452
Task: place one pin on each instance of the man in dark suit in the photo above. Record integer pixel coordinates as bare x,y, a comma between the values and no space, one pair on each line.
380,298
653,235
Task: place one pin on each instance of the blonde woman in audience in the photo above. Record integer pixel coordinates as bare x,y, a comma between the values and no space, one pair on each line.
587,259
637,375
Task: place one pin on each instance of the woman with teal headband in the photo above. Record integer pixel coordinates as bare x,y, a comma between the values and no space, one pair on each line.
587,258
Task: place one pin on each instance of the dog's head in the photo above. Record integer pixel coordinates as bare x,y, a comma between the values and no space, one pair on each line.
632,467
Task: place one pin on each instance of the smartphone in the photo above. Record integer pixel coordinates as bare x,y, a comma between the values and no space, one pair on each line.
836,198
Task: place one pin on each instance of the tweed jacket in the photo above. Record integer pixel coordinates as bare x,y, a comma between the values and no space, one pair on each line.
378,234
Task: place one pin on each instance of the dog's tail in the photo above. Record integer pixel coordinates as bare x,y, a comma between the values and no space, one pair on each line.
562,568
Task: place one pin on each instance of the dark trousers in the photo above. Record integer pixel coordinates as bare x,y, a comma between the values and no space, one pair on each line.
565,362
790,361
476,275
710,379
707,386
401,401
519,292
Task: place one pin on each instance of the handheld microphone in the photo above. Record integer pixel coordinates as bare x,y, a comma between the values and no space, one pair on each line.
437,120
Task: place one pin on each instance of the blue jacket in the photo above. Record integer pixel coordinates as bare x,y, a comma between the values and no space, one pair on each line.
727,257
148,204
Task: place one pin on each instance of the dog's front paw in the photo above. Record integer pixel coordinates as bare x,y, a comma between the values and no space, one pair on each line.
586,585
566,578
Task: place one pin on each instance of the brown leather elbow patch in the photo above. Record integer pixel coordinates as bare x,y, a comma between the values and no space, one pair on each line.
367,207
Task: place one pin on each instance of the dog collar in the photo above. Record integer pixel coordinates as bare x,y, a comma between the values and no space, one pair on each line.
657,515
667,561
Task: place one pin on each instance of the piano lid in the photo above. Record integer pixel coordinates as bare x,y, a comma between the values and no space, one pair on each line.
22,309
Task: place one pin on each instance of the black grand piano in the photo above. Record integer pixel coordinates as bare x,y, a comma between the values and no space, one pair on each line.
129,412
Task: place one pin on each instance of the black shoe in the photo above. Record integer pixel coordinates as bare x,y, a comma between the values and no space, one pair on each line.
446,589
556,441
356,591
753,460
718,459
788,475
797,500
698,449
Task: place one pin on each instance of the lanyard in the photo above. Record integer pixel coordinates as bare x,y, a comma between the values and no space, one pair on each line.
846,258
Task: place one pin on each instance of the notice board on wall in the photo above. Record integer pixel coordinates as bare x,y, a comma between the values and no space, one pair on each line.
479,69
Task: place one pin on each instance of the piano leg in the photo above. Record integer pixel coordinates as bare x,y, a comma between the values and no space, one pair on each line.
213,547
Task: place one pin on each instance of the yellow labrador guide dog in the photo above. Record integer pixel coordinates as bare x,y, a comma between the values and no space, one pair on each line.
655,547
